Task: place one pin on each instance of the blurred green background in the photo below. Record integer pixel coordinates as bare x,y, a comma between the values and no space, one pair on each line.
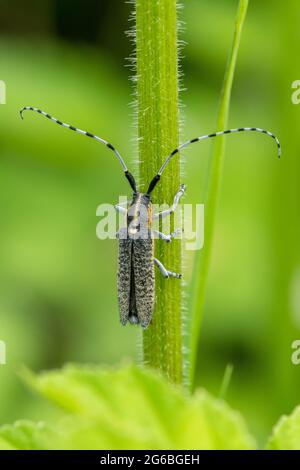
57,281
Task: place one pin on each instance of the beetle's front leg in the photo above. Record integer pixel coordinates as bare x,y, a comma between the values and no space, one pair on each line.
172,209
164,271
166,238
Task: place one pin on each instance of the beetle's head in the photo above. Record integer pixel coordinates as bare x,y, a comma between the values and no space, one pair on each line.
143,198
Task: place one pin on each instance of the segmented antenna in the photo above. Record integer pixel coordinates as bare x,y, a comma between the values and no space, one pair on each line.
128,175
208,136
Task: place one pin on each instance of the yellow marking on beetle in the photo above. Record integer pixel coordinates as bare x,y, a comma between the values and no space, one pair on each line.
150,212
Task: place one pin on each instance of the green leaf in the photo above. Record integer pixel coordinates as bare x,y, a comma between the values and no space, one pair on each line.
25,435
133,408
286,434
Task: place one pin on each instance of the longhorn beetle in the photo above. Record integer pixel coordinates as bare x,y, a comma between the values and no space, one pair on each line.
136,288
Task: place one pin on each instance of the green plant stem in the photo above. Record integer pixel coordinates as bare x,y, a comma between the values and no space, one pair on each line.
202,258
158,124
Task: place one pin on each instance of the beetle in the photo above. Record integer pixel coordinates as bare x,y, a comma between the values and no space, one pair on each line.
136,261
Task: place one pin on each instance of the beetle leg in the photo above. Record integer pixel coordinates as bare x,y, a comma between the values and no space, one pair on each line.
164,271
167,238
176,200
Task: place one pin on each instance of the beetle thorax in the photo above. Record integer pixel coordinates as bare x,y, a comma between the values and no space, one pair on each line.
139,215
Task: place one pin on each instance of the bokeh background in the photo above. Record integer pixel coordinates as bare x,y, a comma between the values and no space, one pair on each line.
57,281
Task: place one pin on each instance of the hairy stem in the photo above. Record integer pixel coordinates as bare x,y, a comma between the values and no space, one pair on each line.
158,133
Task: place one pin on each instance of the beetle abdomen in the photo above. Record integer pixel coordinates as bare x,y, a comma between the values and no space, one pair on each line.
124,276
136,284
144,283
132,314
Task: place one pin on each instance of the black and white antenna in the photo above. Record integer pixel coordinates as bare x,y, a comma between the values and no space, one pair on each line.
128,175
208,136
